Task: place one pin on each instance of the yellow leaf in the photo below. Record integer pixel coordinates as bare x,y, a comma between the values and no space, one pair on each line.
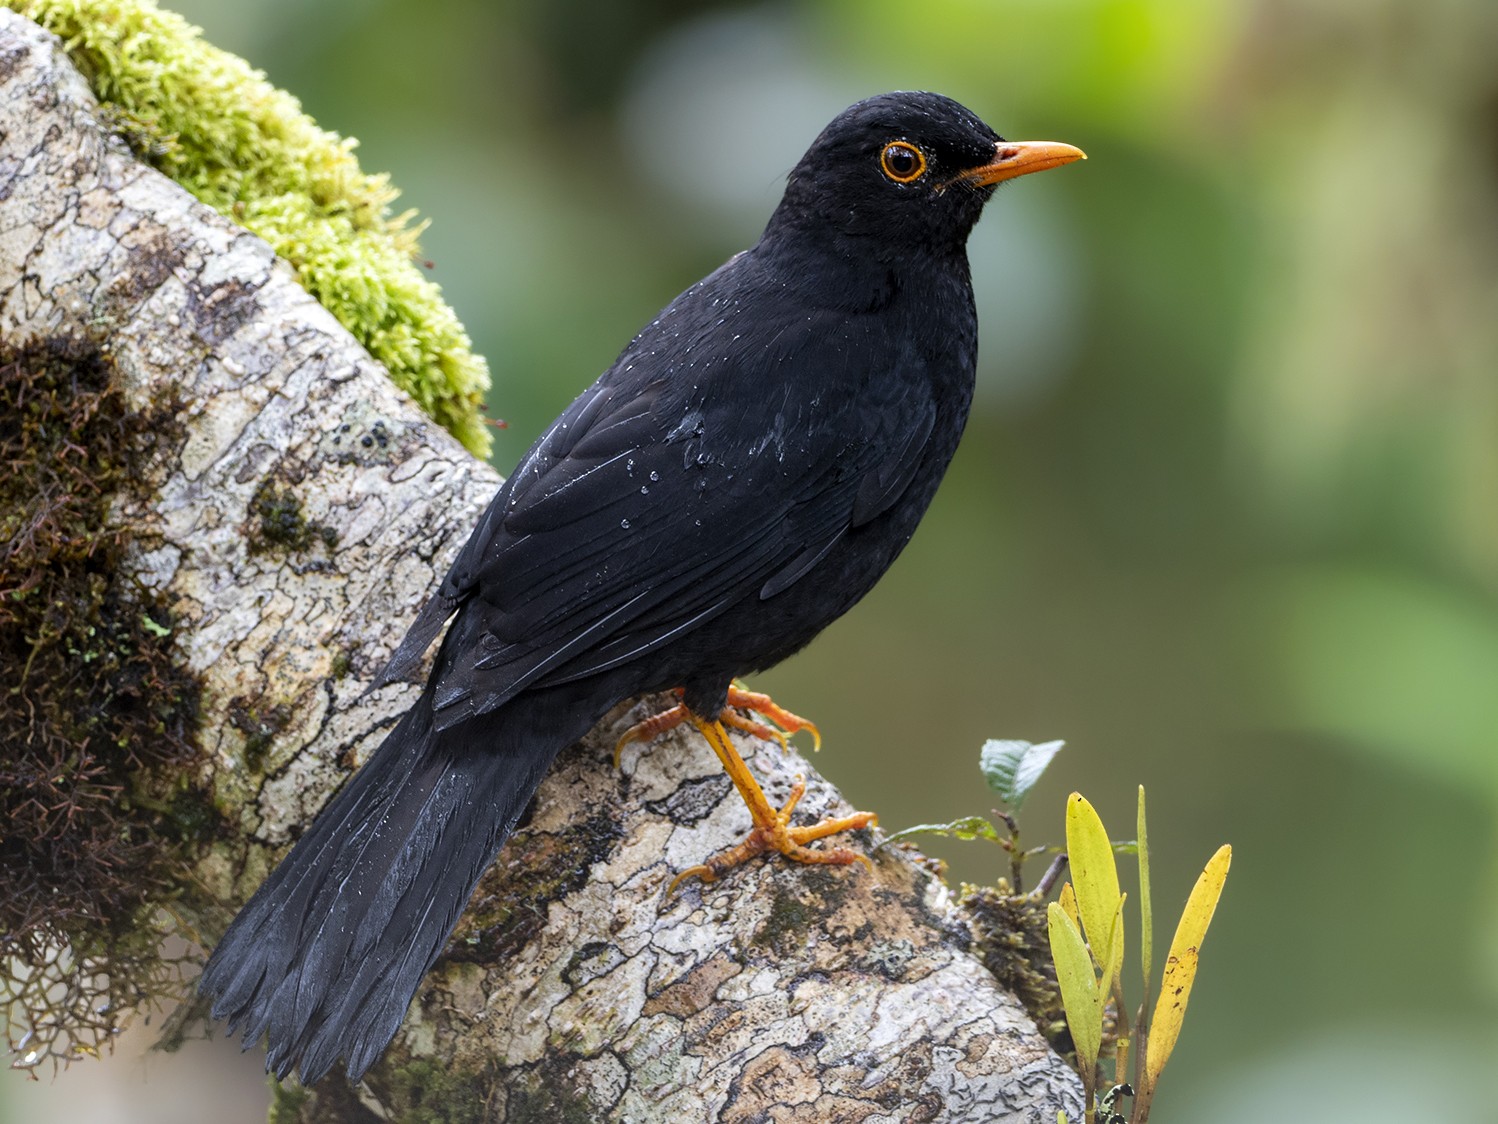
1180,964
1079,990
1069,903
1093,872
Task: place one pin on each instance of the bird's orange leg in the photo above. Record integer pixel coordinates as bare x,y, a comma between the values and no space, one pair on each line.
772,830
785,723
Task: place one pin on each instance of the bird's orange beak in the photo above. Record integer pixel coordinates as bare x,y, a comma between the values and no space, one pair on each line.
1020,158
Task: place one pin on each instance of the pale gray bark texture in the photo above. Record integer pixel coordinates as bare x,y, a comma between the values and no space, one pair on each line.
575,989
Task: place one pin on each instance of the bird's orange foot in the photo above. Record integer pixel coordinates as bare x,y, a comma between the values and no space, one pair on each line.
785,723
652,727
775,833
772,830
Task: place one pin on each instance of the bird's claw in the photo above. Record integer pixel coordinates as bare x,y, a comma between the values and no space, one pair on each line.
651,728
785,722
777,834
785,725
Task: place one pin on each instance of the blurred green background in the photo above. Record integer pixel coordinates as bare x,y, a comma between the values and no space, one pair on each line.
1226,516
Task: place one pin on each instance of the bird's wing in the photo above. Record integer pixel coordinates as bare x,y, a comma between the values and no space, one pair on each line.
549,450
648,509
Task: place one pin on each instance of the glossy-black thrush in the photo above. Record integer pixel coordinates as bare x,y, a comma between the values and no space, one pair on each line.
750,465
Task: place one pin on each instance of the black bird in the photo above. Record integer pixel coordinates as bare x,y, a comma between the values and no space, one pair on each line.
750,465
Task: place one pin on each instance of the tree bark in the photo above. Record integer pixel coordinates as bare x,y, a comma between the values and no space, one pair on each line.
575,987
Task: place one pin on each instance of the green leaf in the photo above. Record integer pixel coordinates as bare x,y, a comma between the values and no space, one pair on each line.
1079,989
153,628
969,827
1146,915
1110,957
1012,767
1093,872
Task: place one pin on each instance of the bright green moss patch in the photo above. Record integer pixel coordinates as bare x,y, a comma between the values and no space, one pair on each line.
217,127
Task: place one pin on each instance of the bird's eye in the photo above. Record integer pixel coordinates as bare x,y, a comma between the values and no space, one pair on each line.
902,162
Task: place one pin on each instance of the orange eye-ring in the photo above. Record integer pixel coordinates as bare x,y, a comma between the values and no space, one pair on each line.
902,162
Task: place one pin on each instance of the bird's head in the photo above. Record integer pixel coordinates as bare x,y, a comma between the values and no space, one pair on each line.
905,170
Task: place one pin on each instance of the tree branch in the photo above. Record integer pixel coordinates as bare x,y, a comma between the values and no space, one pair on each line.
300,513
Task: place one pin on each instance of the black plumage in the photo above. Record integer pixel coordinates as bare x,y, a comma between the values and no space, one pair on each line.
745,471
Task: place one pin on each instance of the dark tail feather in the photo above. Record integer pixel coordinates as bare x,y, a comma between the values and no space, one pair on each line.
327,955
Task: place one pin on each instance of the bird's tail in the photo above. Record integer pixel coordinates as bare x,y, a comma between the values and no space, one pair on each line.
327,955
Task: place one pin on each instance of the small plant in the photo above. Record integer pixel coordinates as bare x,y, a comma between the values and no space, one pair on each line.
1086,936
1087,943
1011,769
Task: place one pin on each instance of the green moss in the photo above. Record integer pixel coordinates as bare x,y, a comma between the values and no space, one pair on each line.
259,725
97,717
424,1092
548,1098
1011,937
218,128
287,1099
280,525
191,816
790,914
538,867
800,905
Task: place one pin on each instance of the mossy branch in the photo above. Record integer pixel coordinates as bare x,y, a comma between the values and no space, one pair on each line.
275,509
214,125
